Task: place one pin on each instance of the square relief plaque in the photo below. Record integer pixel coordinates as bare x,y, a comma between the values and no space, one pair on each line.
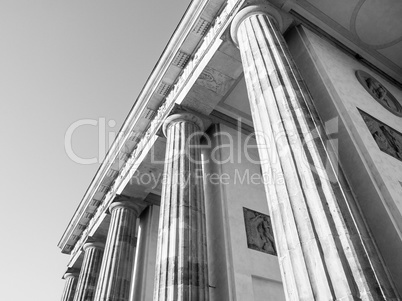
259,232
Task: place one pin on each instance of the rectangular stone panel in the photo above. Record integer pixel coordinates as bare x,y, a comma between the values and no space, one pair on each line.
259,232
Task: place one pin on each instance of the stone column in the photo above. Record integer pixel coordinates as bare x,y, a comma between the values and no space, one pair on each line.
321,250
147,242
89,271
69,288
181,272
118,260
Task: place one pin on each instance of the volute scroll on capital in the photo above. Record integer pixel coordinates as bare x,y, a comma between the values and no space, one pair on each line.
257,9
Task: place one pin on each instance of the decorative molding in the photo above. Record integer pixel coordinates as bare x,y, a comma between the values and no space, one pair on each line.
112,173
163,89
149,113
181,59
201,27
88,215
81,226
95,203
134,136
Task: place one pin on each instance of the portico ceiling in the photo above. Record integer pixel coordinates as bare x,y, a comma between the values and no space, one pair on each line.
371,28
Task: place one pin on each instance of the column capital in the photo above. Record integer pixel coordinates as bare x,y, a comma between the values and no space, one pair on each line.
256,9
98,245
127,204
71,273
189,117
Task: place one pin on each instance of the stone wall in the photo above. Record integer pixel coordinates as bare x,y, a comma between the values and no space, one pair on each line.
374,175
238,271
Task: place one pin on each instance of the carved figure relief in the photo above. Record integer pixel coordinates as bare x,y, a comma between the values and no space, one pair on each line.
214,81
259,232
387,139
379,92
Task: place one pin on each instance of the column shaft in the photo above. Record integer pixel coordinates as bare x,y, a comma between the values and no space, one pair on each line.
89,272
181,272
118,261
143,286
69,287
321,250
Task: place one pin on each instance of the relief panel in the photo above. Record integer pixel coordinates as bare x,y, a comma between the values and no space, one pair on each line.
259,232
388,139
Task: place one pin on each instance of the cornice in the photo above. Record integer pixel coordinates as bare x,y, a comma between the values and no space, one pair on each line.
190,17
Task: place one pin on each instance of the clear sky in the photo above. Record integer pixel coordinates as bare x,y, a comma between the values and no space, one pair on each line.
60,62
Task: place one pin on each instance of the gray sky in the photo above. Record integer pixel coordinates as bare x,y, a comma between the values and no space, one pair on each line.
63,61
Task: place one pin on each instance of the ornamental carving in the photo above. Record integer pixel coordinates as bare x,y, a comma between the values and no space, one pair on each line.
387,139
259,232
379,92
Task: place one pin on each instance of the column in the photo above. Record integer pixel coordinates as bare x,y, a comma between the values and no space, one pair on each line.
118,260
69,288
93,252
321,249
147,242
181,272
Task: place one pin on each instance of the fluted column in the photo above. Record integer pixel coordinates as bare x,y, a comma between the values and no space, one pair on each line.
181,272
321,250
93,252
118,259
69,287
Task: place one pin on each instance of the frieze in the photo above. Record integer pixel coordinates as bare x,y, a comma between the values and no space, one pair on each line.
259,232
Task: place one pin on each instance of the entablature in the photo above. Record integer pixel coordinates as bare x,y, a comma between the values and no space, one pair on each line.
195,41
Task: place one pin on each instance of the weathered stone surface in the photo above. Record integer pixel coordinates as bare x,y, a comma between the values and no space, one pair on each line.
89,272
321,253
181,273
